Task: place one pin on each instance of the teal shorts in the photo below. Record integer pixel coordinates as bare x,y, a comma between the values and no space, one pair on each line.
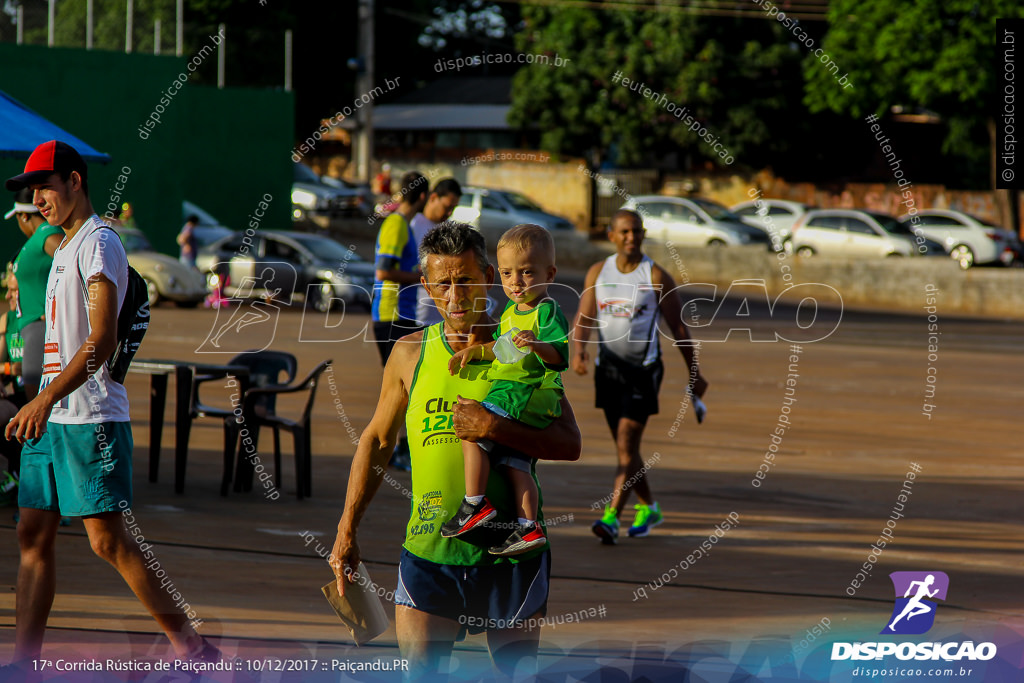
78,470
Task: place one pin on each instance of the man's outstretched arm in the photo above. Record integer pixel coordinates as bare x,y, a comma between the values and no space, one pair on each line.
560,440
370,461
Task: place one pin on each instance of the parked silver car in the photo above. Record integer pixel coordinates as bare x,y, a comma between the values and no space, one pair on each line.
968,240
693,222
779,214
852,232
484,207
292,262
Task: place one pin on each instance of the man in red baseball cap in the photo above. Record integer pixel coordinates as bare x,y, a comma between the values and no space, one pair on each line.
77,457
49,158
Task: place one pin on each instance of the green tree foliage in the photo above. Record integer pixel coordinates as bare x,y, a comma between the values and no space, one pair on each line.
934,54
454,20
109,19
739,78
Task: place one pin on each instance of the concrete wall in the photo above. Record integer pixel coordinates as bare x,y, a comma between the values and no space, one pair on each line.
557,187
894,284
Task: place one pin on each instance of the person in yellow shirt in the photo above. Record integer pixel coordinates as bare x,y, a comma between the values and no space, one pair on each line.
396,276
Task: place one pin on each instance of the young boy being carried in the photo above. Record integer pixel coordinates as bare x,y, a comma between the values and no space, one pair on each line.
526,386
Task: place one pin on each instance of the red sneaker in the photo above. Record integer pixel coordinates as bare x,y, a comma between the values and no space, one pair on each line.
468,518
521,540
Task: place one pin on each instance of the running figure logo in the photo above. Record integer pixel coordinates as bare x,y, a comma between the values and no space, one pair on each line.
252,325
913,614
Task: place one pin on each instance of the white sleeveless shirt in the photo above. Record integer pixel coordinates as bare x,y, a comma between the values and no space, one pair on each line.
95,249
627,312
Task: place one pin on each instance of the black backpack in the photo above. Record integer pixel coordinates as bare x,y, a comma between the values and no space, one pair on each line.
132,323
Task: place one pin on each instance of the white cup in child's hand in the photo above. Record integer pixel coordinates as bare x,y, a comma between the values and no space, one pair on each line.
505,349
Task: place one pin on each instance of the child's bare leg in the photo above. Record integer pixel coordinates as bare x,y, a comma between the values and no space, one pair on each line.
478,468
525,491
475,509
527,533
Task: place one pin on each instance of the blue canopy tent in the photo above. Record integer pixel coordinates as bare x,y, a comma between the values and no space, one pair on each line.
22,130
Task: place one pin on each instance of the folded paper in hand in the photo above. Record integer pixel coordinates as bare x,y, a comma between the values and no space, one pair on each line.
360,608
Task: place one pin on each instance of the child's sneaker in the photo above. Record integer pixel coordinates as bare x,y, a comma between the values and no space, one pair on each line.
647,517
524,538
468,518
607,528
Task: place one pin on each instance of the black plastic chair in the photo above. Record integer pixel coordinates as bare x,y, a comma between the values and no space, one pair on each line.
265,369
259,410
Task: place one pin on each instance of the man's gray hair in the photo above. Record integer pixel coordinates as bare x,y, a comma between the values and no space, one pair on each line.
452,238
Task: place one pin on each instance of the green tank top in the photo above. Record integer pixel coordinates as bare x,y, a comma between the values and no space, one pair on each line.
530,391
15,349
32,268
15,344
438,471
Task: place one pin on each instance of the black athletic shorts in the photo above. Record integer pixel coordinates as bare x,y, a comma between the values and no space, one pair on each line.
495,596
626,390
388,332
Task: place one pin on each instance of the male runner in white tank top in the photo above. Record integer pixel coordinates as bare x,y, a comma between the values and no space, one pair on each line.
623,295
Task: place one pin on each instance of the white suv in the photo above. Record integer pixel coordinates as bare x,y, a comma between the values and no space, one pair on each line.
849,232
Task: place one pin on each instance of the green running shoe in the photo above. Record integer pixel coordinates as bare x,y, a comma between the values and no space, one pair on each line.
647,517
607,528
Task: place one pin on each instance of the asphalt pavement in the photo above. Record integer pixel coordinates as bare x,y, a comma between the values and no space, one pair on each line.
851,410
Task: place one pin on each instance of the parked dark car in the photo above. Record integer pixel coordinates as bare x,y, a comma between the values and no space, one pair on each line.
312,197
314,266
364,200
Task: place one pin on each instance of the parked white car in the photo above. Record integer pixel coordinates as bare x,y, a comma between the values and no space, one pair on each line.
968,240
851,232
779,214
484,208
693,222
166,277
